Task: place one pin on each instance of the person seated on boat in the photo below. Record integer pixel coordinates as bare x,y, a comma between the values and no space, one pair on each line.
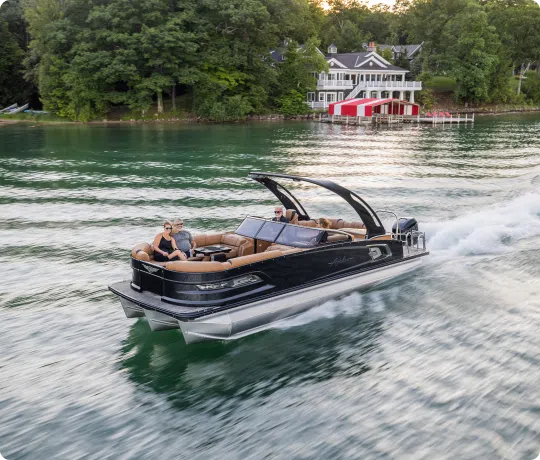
164,246
183,238
279,217
324,223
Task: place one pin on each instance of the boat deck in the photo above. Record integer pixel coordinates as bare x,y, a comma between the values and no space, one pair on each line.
147,299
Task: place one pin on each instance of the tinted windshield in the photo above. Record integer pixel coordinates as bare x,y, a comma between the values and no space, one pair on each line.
278,232
299,236
270,231
250,227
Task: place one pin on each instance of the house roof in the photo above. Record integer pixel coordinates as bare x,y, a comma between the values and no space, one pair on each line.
365,60
368,60
410,50
277,54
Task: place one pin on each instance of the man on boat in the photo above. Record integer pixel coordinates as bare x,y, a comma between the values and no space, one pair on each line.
184,239
279,215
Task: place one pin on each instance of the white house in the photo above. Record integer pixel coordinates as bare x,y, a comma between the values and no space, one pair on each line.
360,75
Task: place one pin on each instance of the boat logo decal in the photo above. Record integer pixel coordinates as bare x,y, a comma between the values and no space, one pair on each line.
151,269
339,260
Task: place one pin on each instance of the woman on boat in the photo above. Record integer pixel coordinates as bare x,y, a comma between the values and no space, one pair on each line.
165,248
324,223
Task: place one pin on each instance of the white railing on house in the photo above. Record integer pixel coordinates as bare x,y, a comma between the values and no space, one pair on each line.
330,84
318,105
391,84
376,85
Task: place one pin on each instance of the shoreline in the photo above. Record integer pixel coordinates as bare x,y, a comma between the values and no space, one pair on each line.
478,111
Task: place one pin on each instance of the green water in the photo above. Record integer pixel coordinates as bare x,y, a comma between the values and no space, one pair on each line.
441,364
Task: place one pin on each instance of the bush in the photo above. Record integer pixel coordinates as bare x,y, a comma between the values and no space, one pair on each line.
230,108
426,98
293,103
531,90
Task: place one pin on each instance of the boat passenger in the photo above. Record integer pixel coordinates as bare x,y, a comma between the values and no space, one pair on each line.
183,238
324,223
279,217
164,246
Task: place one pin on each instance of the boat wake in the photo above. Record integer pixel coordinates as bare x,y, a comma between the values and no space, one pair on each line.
490,231
351,304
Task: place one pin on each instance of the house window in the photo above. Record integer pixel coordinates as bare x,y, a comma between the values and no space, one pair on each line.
330,97
340,96
379,77
310,97
321,97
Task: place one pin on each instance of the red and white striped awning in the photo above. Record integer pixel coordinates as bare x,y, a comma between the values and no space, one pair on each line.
367,106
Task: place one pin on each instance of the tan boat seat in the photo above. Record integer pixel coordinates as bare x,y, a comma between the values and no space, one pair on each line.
240,246
246,260
196,267
278,247
308,223
357,233
142,251
292,216
388,236
339,224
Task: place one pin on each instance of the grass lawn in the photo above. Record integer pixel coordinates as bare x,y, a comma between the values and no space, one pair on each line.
37,117
440,83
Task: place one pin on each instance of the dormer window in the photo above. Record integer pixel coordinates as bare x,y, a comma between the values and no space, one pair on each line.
332,49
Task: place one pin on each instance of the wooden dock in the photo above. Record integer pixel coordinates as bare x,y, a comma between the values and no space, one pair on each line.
396,119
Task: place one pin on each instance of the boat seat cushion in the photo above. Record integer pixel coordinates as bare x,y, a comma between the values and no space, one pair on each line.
357,233
338,224
337,237
142,251
388,236
308,223
239,245
292,216
278,247
250,259
195,267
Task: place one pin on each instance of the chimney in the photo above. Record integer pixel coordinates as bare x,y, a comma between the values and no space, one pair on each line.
371,47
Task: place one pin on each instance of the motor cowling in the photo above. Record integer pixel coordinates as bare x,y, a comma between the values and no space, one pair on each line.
405,225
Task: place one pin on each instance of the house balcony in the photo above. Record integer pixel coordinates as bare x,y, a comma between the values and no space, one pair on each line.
370,85
391,85
334,84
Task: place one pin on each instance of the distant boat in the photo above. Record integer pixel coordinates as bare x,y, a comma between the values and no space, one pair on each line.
7,109
37,112
19,109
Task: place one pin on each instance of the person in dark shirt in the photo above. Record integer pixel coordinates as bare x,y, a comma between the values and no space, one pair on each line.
164,246
279,215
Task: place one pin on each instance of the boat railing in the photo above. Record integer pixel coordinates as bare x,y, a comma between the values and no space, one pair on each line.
397,235
410,239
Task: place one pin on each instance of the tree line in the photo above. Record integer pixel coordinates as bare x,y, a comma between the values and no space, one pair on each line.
84,57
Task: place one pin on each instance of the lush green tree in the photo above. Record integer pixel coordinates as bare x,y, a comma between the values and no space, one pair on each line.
13,44
518,26
472,52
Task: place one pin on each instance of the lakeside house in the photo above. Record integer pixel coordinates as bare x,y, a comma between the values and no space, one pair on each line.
360,75
363,74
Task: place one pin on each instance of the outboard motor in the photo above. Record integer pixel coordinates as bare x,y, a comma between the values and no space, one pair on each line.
406,225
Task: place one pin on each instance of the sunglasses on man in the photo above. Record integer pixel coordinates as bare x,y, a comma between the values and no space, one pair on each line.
278,212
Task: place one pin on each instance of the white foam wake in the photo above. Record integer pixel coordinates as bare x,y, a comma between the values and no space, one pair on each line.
351,304
488,231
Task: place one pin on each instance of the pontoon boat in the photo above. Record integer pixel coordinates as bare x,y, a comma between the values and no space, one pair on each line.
265,271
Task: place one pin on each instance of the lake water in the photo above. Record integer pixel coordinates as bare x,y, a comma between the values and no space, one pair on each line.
441,364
